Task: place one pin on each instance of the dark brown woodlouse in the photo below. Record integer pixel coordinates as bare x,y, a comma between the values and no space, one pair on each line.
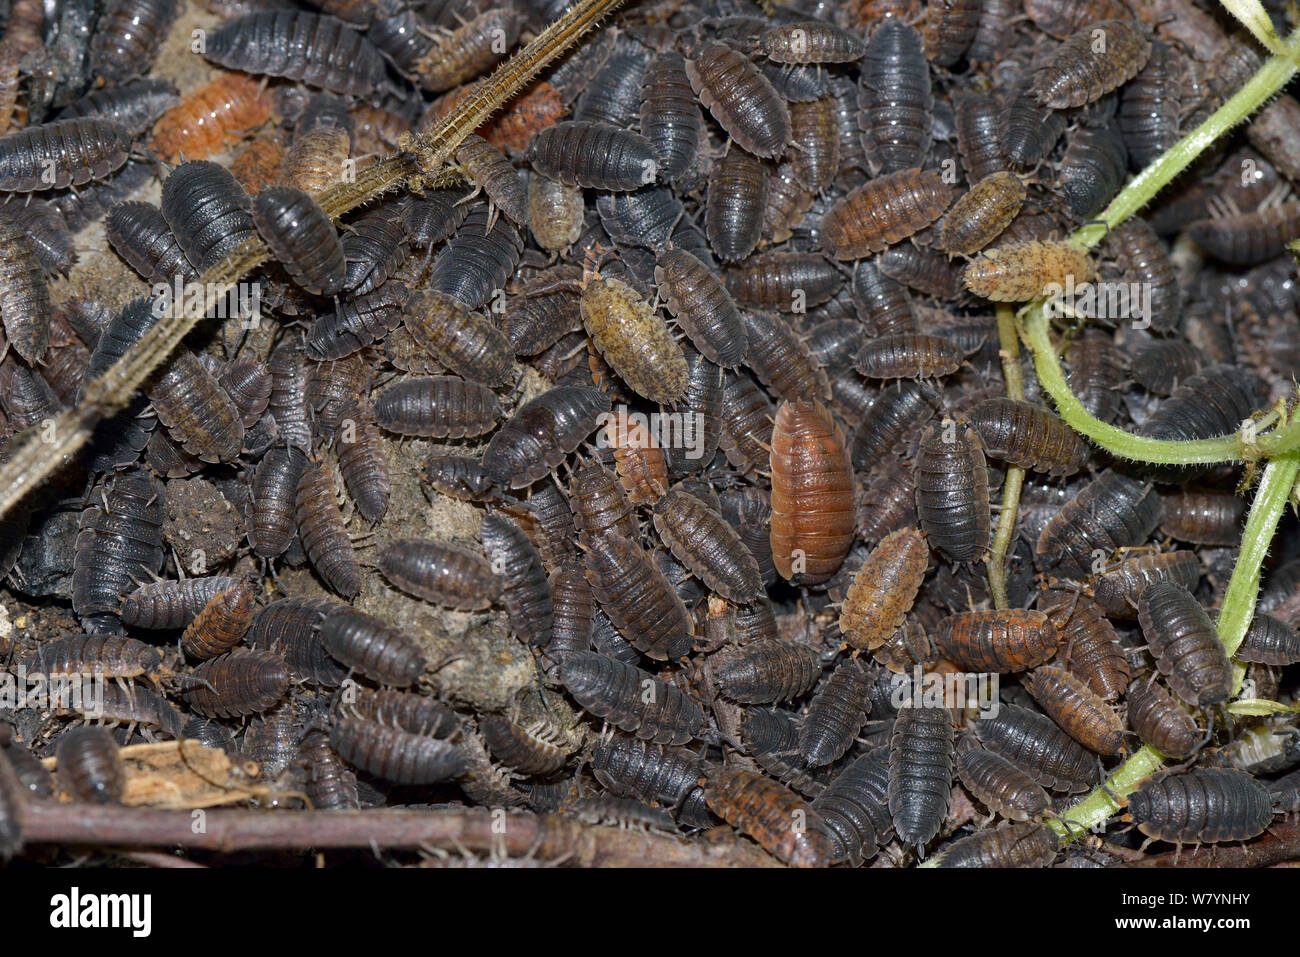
703,541
1161,721
1118,589
998,640
1076,709
441,573
637,597
782,360
324,536
998,784
108,656
702,306
196,411
740,98
90,766
1025,844
525,591
883,212
240,682
461,339
24,293
1093,61
302,238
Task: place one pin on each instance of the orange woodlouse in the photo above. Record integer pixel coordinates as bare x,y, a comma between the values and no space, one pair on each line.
883,212
1076,709
884,589
1020,272
211,118
1000,641
771,814
812,493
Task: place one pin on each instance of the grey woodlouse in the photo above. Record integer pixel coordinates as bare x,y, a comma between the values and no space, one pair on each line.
782,359
301,238
329,785
531,751
909,355
394,755
207,209
1037,746
438,406
921,753
1210,403
363,463
894,98
637,597
318,50
998,784
1159,365
90,765
855,807
1205,805
1185,644
142,237
240,682
896,414
24,294
541,433
413,713
836,714
109,656
129,36
290,628
441,573
374,247
119,542
631,699
767,672
1269,641
593,155
196,411
270,515
373,647
952,493
740,98
653,773
1110,512
810,41
60,154
670,114
526,591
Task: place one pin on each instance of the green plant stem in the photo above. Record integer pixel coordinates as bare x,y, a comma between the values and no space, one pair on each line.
1100,806
1009,349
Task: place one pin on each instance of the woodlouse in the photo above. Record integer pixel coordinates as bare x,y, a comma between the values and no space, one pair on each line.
302,238
373,647
324,536
1037,746
771,814
734,203
221,623
240,682
883,212
212,117
1118,588
1110,512
1094,652
119,542
108,656
767,672
999,785
207,209
702,306
1028,435
631,699
998,640
812,493
855,807
462,340
637,597
1076,709
952,493
1269,641
670,113
541,433
196,411
836,714
24,293
318,50
62,153
980,217
438,406
555,213
909,355
894,98
740,98
413,713
1093,61
90,765
394,755
594,156
921,753
441,573
1009,845
634,339
1019,272
1185,644
1161,721
782,360
129,36
706,544
1205,805
884,589
525,591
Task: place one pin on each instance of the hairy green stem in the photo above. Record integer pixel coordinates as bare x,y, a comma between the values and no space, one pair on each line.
1009,349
